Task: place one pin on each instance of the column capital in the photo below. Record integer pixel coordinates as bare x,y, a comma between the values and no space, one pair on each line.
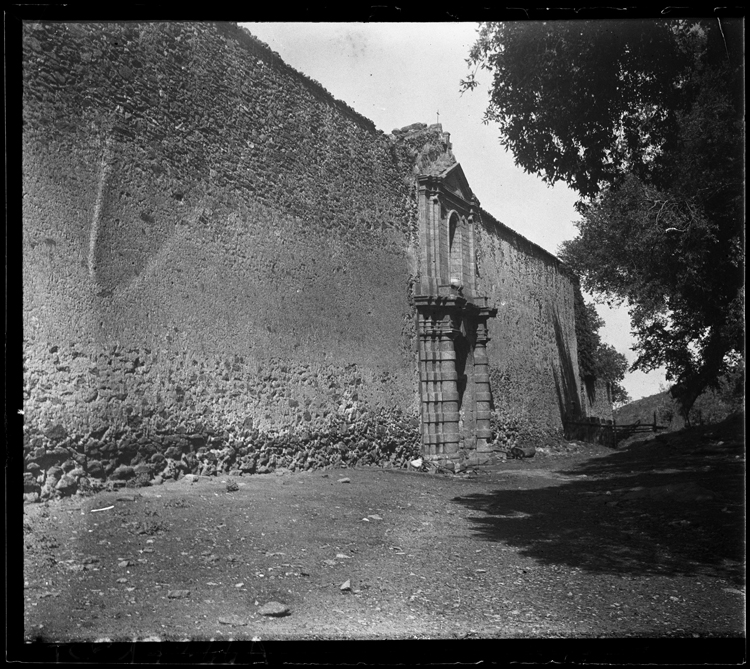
429,184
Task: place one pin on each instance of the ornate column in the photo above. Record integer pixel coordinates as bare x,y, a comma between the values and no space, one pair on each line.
430,243
438,327
449,389
482,381
429,380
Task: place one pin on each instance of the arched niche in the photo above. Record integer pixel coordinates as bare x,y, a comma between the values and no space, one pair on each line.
456,242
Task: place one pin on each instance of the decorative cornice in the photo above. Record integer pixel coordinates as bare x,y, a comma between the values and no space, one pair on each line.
431,184
478,307
439,301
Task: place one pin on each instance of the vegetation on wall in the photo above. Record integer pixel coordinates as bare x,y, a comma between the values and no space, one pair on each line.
511,428
645,120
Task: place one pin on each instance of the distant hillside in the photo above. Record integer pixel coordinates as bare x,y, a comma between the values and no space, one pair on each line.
643,410
713,406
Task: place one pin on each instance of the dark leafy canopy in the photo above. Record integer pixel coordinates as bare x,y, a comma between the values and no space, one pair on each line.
645,120
679,272
587,102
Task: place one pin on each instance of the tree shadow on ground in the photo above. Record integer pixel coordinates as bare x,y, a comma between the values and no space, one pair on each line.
667,507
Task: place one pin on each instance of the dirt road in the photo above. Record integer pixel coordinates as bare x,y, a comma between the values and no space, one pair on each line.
646,541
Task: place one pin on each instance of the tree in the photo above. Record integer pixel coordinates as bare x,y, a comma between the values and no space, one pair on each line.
611,366
597,360
645,120
588,323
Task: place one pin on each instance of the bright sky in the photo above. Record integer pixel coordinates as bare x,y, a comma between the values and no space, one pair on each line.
396,74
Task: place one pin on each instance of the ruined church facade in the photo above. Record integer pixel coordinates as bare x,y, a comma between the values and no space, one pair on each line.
456,396
226,269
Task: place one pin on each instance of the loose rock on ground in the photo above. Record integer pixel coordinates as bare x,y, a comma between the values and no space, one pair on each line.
526,548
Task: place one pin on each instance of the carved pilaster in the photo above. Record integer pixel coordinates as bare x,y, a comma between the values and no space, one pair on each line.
437,361
430,235
483,393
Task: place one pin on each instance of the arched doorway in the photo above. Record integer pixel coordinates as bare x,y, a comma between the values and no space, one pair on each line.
462,348
463,345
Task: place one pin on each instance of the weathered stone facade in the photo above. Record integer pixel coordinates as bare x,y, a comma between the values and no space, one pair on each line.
452,326
224,268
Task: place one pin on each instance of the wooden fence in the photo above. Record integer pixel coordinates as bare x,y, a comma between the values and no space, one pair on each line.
607,432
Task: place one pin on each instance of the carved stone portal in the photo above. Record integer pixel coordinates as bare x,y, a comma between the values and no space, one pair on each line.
452,324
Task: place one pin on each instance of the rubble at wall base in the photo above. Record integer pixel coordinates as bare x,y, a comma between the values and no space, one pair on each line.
83,464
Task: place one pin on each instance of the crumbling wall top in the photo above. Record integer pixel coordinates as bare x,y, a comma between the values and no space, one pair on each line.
430,147
258,48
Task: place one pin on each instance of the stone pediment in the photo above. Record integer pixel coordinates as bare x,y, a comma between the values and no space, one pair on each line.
455,181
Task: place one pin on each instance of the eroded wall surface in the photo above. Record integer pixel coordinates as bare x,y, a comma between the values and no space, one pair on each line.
532,349
217,259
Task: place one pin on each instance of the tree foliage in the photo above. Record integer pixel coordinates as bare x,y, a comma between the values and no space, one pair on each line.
597,360
645,120
611,366
588,324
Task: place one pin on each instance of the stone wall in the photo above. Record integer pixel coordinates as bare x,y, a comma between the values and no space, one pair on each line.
219,263
597,399
217,259
532,350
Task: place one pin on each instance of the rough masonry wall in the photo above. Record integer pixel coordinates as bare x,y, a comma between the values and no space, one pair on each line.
597,399
532,352
217,261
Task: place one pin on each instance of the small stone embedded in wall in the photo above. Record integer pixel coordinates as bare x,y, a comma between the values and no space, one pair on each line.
56,432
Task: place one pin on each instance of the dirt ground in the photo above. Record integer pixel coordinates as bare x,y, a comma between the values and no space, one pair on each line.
645,541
